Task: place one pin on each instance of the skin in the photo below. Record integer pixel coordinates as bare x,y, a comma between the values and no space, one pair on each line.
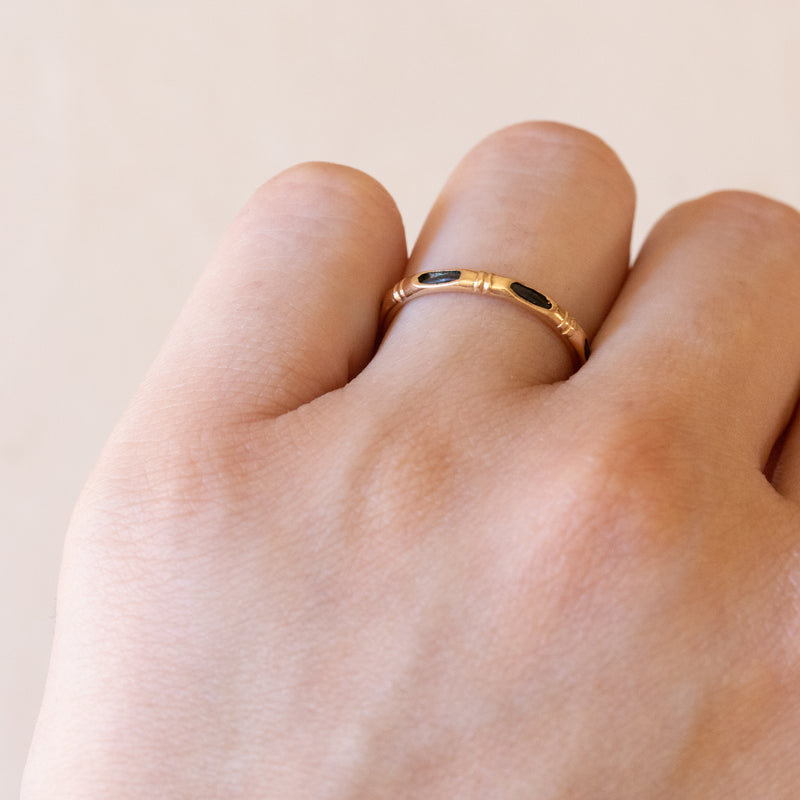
449,567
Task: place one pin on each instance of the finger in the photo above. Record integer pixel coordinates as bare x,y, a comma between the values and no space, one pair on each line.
288,308
705,332
547,205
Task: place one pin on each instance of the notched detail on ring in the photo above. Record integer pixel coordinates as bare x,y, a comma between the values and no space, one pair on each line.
439,276
484,283
531,295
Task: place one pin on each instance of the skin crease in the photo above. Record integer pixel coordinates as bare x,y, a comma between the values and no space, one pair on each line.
449,568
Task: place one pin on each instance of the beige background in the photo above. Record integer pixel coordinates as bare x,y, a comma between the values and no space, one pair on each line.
130,132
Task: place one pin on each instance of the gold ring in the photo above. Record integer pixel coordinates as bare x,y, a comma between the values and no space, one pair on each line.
486,283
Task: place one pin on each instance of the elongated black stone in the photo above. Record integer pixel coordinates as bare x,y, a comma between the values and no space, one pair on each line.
440,276
531,295
587,351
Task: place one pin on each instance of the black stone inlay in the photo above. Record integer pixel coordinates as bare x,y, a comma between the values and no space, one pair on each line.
440,276
587,351
531,295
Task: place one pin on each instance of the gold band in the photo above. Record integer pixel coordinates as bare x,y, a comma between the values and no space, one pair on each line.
466,280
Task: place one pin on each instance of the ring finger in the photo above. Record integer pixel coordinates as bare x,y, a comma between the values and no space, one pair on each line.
547,205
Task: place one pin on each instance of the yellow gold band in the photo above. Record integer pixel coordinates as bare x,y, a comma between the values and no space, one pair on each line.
465,280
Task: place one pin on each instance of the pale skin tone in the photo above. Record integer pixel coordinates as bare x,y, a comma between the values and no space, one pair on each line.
450,567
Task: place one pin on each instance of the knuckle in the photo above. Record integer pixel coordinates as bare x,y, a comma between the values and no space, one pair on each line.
404,471
313,204
747,213
330,188
642,476
157,484
538,144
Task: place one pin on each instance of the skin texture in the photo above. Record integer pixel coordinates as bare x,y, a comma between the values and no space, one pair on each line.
449,568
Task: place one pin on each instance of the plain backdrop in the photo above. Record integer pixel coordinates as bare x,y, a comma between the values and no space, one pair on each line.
132,130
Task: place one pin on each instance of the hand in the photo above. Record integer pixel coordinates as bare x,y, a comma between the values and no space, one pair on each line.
450,568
